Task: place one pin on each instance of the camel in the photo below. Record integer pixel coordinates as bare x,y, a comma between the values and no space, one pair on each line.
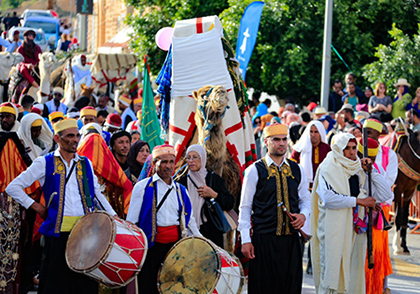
100,80
7,61
46,63
69,93
88,92
212,103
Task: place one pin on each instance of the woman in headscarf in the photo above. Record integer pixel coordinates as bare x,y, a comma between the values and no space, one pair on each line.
202,184
139,152
329,124
88,129
36,135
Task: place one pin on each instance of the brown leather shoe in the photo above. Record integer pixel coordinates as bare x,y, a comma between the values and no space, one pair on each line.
387,291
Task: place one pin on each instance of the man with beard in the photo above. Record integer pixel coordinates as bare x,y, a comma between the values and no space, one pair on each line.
350,97
71,190
311,149
275,249
81,72
8,114
30,52
120,145
347,111
162,209
338,219
55,104
88,115
309,152
103,104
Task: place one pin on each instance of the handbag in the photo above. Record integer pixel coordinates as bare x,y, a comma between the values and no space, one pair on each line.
216,214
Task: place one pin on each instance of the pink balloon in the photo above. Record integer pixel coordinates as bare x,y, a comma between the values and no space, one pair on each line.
163,38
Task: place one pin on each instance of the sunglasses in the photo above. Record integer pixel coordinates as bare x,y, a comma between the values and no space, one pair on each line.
192,157
58,94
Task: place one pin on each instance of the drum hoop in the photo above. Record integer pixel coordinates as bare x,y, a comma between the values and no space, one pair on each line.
241,271
212,245
107,251
116,285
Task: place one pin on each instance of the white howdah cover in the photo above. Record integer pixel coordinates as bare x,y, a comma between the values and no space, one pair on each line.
198,60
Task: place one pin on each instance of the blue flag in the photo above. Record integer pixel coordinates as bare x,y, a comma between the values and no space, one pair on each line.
247,36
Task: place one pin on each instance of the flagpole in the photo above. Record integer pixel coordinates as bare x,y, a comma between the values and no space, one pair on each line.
326,61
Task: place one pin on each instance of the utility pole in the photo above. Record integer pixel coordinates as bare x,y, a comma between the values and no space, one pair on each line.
326,60
82,31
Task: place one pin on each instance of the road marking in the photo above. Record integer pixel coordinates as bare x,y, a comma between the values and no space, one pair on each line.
406,269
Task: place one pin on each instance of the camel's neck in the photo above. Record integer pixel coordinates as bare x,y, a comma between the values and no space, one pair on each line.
4,72
69,91
45,83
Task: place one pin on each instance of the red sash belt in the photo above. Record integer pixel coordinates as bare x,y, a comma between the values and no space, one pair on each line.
167,235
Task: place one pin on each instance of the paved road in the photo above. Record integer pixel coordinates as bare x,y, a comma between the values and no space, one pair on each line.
406,276
404,280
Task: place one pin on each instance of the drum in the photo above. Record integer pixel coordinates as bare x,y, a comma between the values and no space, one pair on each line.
106,248
197,265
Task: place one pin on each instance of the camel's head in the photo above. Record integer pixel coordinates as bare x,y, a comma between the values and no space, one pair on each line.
86,90
47,59
7,59
212,102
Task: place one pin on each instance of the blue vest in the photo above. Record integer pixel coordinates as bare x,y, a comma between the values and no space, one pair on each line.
55,177
147,218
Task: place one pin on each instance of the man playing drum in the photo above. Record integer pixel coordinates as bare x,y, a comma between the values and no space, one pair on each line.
275,249
162,209
70,190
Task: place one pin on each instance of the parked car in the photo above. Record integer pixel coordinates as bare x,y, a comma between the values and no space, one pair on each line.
40,38
50,26
35,12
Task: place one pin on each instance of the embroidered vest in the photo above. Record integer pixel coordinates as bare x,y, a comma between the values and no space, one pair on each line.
147,218
265,207
55,177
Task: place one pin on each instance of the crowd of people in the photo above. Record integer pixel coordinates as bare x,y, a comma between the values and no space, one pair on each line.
326,144
67,41
127,178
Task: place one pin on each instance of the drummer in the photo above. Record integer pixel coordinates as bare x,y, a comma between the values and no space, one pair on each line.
71,190
162,209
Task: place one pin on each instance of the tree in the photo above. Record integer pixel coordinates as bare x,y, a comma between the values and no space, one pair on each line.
156,14
400,59
287,59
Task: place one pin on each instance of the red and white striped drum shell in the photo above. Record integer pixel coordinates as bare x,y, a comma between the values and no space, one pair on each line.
107,249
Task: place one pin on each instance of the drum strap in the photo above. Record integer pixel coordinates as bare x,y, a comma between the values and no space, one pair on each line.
88,197
71,171
163,199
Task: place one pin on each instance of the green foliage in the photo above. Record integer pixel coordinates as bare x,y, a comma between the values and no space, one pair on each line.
400,59
287,58
9,4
